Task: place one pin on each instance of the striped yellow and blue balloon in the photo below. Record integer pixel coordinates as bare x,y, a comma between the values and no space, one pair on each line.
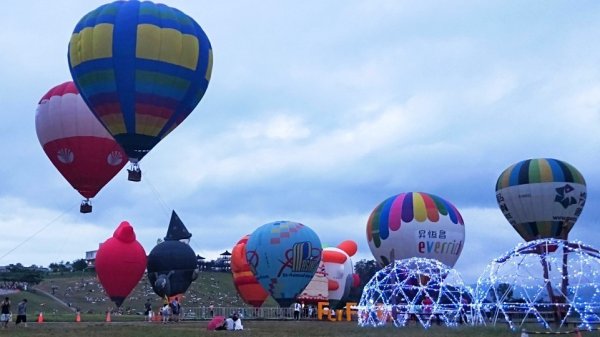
541,197
142,68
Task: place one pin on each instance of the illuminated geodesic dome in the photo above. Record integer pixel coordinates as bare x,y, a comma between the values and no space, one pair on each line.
424,289
547,281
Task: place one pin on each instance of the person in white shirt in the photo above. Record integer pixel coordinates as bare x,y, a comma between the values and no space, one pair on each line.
237,323
297,308
229,324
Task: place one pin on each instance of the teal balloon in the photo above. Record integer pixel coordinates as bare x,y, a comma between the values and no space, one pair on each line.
284,257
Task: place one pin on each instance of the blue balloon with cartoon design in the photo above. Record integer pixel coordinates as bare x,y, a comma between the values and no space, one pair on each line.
284,256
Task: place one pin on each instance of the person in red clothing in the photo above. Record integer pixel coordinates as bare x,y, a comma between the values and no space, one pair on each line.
427,306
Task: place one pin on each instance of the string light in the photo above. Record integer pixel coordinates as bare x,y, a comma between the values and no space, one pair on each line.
550,281
418,288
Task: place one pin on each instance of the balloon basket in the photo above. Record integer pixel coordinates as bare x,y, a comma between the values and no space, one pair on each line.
85,207
134,175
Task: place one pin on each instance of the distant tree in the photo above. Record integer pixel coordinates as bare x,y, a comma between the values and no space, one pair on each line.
15,267
60,267
365,270
19,273
54,267
79,265
504,293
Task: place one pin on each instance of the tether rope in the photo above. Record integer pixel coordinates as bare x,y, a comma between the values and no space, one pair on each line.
37,232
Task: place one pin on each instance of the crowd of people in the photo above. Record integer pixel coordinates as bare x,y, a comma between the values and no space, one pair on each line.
87,293
11,287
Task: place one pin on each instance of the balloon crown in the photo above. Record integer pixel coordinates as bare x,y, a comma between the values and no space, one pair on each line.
124,232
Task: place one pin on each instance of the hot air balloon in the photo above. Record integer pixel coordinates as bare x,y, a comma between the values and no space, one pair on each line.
76,143
120,263
340,272
172,264
541,198
141,68
284,256
415,224
243,279
317,290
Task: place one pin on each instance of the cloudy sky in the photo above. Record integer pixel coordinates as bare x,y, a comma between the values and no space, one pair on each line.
316,112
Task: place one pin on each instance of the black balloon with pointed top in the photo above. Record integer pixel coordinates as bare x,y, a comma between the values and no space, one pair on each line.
177,230
172,264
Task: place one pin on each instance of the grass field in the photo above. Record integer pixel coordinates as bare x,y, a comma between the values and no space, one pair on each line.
84,292
251,328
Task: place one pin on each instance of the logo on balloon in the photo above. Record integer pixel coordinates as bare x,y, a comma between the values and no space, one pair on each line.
114,158
304,261
564,196
65,156
301,258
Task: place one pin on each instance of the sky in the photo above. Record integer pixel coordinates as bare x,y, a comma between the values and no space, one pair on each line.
316,112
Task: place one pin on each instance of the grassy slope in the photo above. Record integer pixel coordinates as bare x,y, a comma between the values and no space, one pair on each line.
84,291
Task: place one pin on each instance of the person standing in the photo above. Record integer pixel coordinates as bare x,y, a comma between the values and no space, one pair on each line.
165,312
148,312
22,313
5,312
297,308
175,309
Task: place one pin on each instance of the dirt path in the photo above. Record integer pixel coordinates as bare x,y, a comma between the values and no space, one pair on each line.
54,298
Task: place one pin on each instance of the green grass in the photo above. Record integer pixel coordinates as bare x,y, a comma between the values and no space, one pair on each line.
252,328
36,302
210,288
84,291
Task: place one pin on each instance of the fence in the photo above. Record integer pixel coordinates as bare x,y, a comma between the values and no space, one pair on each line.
204,313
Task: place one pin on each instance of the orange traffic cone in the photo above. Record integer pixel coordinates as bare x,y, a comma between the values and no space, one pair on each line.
108,316
78,317
40,318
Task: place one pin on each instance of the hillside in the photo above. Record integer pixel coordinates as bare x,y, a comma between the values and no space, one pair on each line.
84,291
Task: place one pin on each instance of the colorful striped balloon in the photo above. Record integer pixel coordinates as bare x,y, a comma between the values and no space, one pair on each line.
415,224
142,68
243,279
541,198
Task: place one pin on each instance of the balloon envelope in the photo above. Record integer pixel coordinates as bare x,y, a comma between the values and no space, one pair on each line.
142,68
541,198
120,263
75,141
172,266
340,271
415,224
317,289
243,279
284,256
